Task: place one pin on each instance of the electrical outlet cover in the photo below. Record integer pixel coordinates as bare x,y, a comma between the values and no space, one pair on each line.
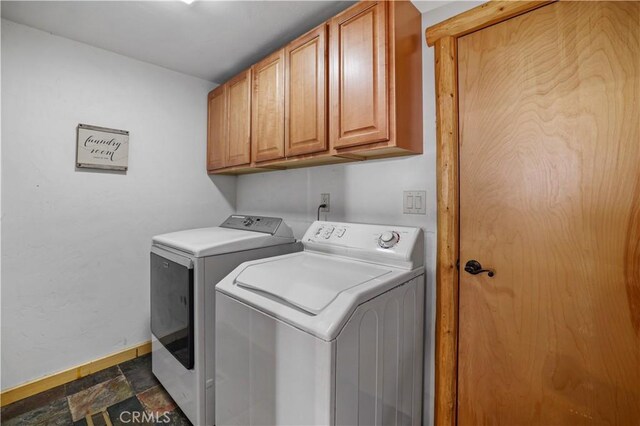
325,199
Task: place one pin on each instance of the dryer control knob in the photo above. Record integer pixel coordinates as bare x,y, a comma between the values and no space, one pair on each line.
388,239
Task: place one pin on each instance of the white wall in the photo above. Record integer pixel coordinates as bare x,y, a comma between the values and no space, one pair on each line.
366,192
75,244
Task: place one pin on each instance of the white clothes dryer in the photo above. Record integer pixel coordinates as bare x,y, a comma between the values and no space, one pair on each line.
185,267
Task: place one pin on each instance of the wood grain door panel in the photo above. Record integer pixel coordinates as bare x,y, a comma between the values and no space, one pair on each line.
217,129
306,93
550,198
239,119
267,104
359,76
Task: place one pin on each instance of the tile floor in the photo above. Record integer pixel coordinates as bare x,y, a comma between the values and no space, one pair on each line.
108,397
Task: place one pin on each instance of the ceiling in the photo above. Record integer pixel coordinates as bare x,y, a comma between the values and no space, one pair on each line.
212,40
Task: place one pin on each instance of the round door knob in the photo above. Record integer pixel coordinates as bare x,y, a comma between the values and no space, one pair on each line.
388,239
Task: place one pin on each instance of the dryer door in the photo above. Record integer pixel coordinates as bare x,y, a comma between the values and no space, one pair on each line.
172,304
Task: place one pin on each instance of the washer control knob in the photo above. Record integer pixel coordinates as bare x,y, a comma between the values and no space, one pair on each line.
388,239
248,221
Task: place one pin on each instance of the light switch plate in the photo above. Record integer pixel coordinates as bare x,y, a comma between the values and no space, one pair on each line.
415,202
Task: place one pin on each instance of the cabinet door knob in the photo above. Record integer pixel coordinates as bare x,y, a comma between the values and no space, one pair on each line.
474,268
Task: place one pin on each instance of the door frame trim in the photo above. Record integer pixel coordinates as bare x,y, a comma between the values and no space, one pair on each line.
444,37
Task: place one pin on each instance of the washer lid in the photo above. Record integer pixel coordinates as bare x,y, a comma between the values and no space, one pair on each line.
308,281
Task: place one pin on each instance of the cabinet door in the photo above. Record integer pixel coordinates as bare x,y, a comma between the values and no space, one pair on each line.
216,129
306,93
359,76
239,119
267,106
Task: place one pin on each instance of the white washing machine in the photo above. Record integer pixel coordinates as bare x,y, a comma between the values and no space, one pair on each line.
332,335
185,267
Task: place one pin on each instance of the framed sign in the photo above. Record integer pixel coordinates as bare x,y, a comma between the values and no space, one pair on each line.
102,148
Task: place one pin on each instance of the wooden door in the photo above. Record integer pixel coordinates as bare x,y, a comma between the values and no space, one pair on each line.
239,119
550,199
306,93
267,106
359,75
216,129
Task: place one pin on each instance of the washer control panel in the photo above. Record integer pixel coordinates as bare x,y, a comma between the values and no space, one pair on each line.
328,231
267,225
392,245
335,233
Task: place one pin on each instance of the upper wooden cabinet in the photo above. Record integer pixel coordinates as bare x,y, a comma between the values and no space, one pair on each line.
376,79
267,106
217,129
348,90
359,77
306,94
238,120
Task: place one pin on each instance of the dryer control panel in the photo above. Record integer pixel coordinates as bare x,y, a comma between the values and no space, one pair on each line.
394,245
267,225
